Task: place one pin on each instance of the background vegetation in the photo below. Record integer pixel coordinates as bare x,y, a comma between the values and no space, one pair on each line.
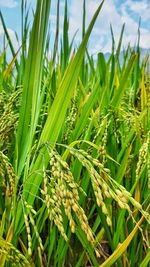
74,150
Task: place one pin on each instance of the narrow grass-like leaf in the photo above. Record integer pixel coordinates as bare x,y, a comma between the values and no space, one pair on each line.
57,32
120,91
122,247
82,238
146,260
10,66
9,40
86,112
31,85
55,119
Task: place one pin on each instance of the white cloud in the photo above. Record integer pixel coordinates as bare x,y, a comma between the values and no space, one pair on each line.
8,3
75,20
132,25
145,39
140,8
101,38
115,12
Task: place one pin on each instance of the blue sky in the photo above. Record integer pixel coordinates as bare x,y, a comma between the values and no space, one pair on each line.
115,12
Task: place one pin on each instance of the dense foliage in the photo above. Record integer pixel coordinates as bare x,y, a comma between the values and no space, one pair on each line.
74,150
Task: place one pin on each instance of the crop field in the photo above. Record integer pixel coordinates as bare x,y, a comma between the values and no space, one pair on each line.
74,149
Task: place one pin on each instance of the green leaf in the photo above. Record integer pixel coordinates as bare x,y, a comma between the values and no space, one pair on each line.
146,260
118,94
29,111
122,247
54,121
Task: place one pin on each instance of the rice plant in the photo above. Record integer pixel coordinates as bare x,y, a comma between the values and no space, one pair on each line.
74,150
